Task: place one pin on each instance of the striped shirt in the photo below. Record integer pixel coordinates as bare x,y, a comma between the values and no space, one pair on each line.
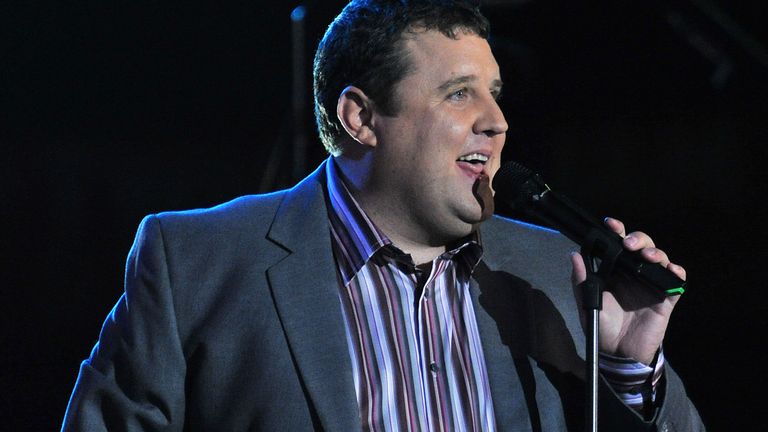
416,355
634,382
417,361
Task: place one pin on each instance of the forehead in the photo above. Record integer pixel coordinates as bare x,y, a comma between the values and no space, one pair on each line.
433,55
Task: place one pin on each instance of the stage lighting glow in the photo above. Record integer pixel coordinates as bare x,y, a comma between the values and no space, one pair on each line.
298,13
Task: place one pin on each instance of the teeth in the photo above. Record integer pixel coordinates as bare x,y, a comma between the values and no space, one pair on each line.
474,157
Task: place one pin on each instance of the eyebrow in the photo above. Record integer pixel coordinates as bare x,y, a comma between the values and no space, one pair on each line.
464,79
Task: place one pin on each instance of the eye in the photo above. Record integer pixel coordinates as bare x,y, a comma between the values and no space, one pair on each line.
459,94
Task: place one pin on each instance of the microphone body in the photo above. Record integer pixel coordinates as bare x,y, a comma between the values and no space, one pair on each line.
525,191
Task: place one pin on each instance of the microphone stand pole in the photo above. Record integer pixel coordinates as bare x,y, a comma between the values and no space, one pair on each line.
592,303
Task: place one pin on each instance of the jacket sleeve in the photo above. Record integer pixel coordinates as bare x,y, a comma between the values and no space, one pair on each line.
676,413
134,378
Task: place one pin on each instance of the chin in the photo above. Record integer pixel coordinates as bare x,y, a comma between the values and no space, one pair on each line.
476,214
469,225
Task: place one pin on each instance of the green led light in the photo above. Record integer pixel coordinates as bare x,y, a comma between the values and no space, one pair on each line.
675,291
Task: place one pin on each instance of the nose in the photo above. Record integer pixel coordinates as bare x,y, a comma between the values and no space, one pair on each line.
491,121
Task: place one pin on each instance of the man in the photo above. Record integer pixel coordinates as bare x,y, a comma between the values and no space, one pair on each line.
379,293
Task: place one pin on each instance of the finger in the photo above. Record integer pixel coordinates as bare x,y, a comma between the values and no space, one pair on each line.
638,240
678,270
655,255
615,225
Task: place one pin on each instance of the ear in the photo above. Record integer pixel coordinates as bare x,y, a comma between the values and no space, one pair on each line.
355,111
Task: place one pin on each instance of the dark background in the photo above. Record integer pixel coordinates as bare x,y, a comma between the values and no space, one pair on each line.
648,111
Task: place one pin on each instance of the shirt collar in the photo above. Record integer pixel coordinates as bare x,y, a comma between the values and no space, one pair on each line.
356,238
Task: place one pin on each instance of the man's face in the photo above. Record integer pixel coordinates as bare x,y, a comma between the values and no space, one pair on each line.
444,140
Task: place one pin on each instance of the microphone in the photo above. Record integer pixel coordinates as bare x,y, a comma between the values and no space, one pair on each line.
524,190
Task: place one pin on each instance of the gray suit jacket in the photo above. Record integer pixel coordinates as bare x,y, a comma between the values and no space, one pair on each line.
231,321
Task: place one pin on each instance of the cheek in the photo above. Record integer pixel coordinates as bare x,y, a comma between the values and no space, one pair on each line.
458,131
450,127
437,143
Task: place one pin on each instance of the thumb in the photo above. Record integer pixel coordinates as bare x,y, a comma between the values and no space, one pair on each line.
579,270
578,275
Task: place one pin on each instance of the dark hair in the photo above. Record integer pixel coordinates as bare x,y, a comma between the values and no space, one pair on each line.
364,47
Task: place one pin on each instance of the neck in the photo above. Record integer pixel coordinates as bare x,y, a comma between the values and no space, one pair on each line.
420,251
388,215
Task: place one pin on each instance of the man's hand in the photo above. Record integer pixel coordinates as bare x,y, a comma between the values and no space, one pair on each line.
633,319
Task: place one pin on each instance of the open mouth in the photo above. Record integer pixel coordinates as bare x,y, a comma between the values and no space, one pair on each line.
473,163
474,158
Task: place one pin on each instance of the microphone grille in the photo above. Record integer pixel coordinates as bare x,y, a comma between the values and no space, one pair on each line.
513,179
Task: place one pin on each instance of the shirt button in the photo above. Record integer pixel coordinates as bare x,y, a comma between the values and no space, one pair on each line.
434,367
426,292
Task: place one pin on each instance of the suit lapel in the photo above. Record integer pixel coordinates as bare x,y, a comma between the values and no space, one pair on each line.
305,290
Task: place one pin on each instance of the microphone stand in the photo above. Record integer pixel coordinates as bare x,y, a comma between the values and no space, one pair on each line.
592,303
